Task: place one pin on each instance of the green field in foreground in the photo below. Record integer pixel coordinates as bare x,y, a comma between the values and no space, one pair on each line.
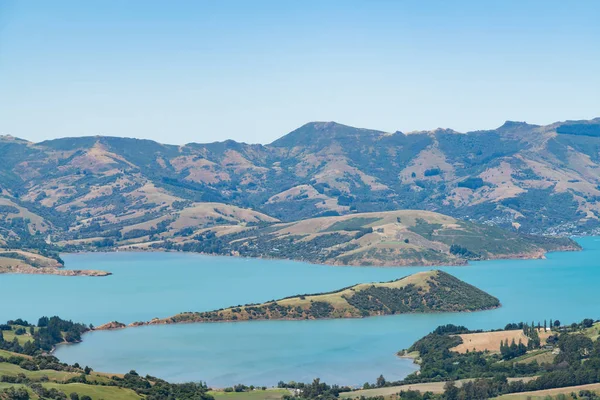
4,385
10,335
58,376
543,394
95,392
6,354
269,394
14,370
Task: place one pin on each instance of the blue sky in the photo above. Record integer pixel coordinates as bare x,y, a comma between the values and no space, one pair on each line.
201,71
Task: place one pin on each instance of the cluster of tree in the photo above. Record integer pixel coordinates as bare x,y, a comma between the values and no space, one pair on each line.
533,335
472,183
13,393
513,350
461,251
432,172
239,388
48,333
315,390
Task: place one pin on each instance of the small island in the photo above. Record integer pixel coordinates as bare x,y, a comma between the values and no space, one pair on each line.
424,292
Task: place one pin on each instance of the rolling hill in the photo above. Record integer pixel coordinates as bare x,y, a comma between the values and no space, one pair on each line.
400,238
423,292
101,192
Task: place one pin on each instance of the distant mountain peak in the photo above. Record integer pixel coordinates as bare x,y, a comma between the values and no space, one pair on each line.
319,133
516,125
447,131
11,138
324,125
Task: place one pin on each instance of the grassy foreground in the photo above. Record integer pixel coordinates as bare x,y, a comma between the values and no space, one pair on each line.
269,394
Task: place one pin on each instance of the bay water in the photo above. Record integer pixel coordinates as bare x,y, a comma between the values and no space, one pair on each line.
563,286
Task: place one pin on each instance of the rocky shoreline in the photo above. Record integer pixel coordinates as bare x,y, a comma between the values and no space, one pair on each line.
29,270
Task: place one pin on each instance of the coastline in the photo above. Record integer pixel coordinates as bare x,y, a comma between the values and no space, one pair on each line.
534,255
61,271
164,321
29,270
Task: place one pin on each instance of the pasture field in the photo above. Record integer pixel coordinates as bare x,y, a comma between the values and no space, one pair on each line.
391,391
6,354
490,341
269,394
10,335
56,376
95,391
541,356
543,394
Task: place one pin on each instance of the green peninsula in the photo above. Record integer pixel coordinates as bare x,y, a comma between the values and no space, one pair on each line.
423,292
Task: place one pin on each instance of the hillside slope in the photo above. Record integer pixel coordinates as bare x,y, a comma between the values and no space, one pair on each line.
423,292
102,190
405,237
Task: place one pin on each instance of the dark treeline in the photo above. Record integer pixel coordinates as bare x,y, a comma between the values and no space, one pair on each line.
48,333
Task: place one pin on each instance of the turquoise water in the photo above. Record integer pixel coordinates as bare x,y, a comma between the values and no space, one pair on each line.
147,285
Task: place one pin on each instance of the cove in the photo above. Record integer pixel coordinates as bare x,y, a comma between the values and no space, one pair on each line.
147,285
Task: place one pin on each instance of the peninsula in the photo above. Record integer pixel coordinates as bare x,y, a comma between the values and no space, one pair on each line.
31,262
424,292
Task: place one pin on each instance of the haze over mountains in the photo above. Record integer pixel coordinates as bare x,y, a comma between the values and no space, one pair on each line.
534,179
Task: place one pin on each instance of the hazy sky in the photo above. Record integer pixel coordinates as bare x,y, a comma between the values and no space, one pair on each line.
199,71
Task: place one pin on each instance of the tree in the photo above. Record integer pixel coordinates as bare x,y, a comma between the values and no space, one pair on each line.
450,391
381,381
87,370
74,396
557,324
14,394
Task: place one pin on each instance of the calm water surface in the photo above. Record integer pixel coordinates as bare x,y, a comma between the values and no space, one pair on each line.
147,285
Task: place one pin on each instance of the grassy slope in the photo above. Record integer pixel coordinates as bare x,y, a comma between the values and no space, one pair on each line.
9,259
430,291
14,370
6,354
391,391
404,237
543,394
94,391
270,394
57,379
10,335
57,376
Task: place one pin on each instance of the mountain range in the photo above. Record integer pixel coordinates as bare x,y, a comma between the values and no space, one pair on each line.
104,190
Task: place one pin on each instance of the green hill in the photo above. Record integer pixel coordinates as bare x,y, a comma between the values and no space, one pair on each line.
405,237
423,292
